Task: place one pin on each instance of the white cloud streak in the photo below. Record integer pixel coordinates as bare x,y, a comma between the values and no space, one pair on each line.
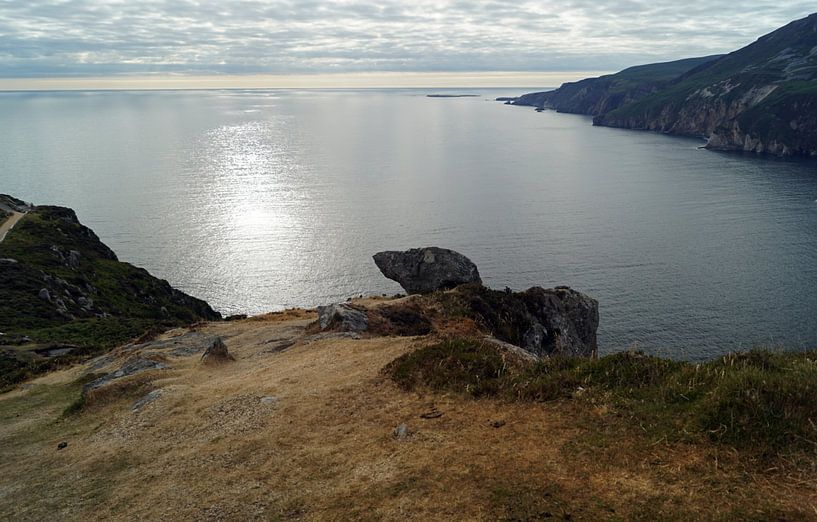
40,38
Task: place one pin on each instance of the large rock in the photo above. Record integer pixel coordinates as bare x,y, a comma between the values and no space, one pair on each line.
544,322
424,270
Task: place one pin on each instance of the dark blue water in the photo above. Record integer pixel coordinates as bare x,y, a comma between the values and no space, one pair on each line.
257,201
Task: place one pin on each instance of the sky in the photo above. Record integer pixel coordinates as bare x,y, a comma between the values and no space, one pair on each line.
65,43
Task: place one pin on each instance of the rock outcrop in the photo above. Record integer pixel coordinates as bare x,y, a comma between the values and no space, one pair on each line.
342,317
425,270
544,322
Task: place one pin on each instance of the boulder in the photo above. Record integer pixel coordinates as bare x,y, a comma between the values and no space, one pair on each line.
347,318
543,322
425,270
216,352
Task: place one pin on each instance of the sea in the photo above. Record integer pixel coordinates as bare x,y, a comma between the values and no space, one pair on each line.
259,200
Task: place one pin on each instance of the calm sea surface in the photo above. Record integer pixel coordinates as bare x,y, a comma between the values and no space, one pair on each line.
260,200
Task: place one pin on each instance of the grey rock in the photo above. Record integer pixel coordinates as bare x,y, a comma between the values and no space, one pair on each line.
401,432
131,367
269,401
147,399
73,259
62,445
425,270
45,295
57,351
543,322
564,322
349,319
216,352
183,345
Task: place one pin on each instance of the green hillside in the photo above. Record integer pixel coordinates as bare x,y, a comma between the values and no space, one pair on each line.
761,98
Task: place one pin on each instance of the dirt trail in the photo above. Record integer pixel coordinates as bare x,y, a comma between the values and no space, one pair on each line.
9,223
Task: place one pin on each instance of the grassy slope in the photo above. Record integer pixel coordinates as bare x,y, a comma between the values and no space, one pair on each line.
756,401
209,448
131,299
583,96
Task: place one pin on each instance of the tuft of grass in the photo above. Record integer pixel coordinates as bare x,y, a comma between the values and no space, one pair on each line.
757,400
460,365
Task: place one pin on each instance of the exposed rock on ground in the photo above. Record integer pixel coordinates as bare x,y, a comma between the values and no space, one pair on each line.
424,270
131,367
147,399
343,317
184,345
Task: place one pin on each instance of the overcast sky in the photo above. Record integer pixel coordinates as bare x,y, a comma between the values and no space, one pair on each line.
40,38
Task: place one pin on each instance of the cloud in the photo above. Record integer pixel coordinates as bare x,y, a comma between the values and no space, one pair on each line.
97,37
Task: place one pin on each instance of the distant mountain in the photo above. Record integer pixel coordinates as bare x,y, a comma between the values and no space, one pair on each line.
761,98
594,96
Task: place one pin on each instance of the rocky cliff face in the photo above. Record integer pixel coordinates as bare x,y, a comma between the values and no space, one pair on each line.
761,98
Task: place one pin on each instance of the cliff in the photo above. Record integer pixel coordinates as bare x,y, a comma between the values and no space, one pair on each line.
761,98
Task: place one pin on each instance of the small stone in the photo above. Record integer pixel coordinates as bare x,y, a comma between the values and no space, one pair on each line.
497,423
217,352
45,295
62,445
73,259
401,432
269,400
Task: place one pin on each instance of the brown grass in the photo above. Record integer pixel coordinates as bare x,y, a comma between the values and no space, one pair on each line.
209,449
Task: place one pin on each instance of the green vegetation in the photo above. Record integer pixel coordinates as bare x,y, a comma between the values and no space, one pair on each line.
63,288
725,97
595,96
758,400
728,92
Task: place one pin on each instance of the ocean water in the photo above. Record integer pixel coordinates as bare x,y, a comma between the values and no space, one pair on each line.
260,200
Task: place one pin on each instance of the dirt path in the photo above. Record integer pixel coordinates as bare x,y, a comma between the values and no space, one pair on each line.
9,224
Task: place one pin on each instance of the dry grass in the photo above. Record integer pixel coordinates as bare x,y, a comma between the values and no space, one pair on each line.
210,449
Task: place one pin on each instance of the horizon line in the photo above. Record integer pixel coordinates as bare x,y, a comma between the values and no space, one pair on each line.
362,80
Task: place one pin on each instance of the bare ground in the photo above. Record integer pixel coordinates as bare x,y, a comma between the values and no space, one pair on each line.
306,432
